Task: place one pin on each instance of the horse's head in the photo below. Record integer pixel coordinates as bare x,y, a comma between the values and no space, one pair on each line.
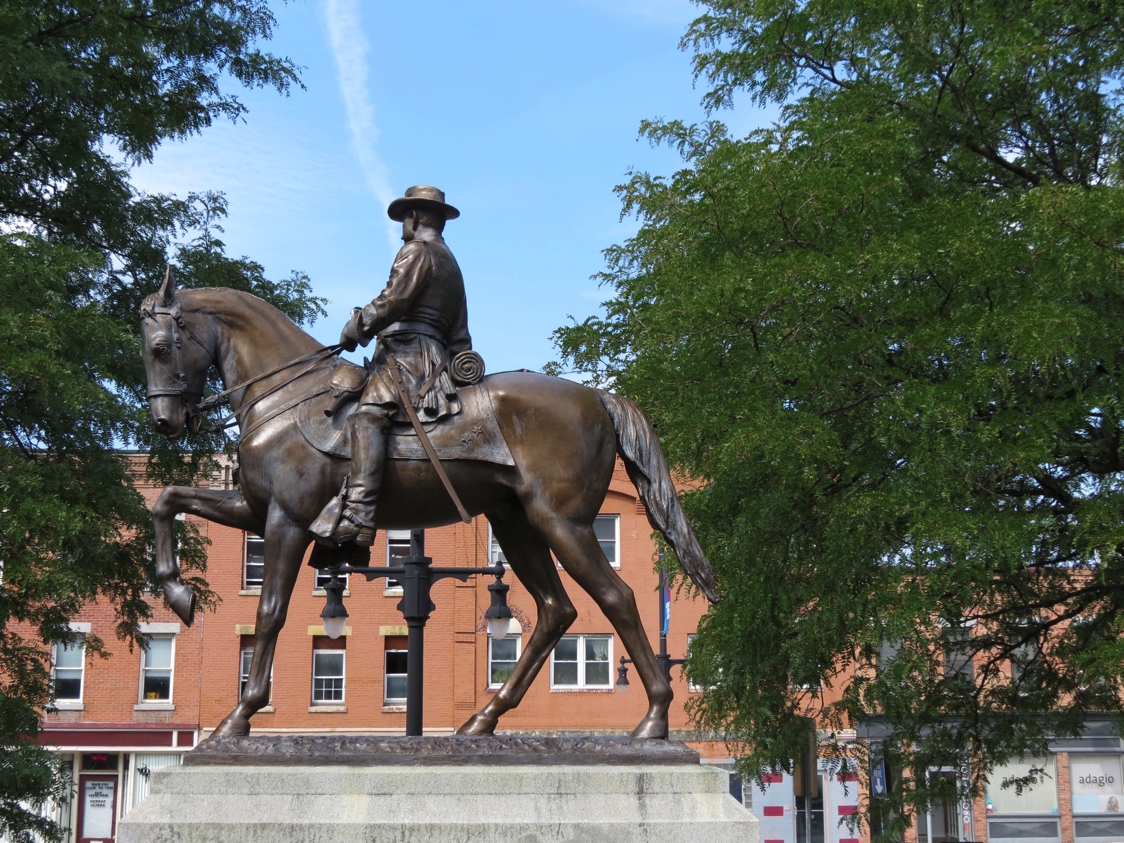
175,361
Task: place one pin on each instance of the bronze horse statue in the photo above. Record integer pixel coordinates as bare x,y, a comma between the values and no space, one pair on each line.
563,438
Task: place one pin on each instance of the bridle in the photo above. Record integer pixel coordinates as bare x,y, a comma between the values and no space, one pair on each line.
196,420
178,385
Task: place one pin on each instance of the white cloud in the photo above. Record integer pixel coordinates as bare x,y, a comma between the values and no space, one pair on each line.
350,48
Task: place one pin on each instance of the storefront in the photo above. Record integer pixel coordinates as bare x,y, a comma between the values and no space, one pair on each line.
111,767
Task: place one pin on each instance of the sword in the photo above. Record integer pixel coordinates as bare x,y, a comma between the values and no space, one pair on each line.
408,405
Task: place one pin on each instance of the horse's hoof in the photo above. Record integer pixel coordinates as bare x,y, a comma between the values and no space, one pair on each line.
652,727
181,600
232,727
478,724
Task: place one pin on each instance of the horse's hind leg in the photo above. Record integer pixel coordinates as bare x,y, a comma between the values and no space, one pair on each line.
530,559
228,508
285,544
577,549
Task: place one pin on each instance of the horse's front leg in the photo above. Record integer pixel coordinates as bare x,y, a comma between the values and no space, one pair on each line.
228,508
285,544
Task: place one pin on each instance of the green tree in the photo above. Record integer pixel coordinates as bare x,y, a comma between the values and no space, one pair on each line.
88,89
886,333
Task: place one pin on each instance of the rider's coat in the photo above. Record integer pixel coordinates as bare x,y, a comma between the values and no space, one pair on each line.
421,316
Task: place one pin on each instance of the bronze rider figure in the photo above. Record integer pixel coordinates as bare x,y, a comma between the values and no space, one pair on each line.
421,321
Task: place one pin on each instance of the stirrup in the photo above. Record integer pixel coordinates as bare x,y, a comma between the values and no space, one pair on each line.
351,529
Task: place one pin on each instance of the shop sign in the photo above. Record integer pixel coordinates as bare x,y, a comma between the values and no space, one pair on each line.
1096,784
97,811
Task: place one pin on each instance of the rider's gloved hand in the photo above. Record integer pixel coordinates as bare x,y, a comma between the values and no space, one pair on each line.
350,336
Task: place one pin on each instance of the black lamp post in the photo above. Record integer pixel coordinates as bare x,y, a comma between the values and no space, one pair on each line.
416,575
665,661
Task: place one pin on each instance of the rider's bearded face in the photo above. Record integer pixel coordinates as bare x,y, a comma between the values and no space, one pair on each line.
408,227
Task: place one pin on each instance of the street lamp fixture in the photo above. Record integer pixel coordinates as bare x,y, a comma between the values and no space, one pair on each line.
498,614
334,614
416,575
622,678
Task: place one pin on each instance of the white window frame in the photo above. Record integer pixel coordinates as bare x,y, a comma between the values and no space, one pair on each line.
171,673
582,685
495,552
246,539
342,677
322,578
692,688
518,638
393,586
69,702
244,672
616,535
386,698
951,632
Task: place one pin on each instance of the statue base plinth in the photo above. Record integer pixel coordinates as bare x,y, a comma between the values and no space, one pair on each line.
544,800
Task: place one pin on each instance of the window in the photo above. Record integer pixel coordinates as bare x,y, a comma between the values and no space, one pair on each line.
143,765
502,656
253,562
582,661
1095,640
1096,784
245,657
327,676
1024,655
692,686
69,665
156,669
324,577
495,553
397,549
607,528
395,664
958,652
1039,798
888,650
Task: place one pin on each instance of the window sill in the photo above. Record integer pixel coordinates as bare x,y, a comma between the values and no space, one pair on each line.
392,592
154,706
269,709
68,705
319,592
250,592
327,709
393,709
575,690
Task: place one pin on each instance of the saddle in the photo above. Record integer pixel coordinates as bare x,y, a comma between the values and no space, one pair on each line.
471,434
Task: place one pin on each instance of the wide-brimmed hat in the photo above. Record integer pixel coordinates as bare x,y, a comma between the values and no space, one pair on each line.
421,196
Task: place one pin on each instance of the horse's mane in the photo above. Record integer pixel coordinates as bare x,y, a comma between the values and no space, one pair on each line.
236,308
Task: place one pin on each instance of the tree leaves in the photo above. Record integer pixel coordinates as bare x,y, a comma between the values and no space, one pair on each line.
885,333
87,89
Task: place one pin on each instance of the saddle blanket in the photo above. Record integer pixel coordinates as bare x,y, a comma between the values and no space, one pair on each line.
472,434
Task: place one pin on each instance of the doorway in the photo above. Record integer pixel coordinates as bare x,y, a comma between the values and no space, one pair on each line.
946,821
97,798
810,815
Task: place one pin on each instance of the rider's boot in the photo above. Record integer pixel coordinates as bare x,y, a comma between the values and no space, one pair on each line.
368,452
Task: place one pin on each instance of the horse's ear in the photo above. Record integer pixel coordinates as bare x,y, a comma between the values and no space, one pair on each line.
168,288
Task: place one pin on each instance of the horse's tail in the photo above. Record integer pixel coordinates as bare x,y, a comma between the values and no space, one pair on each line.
644,460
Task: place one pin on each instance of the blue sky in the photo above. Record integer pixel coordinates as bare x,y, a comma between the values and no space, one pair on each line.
525,114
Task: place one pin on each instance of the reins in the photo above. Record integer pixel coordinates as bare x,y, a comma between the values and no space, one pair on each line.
212,401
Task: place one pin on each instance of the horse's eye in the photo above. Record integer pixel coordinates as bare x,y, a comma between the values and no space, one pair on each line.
160,350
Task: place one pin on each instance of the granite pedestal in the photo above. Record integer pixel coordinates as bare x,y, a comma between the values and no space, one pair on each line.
438,790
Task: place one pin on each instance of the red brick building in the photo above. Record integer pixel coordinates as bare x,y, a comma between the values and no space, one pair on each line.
119,718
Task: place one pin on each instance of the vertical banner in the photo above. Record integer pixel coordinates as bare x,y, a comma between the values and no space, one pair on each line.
665,603
877,770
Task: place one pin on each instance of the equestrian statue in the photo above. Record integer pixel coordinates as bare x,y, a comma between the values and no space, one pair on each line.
416,438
